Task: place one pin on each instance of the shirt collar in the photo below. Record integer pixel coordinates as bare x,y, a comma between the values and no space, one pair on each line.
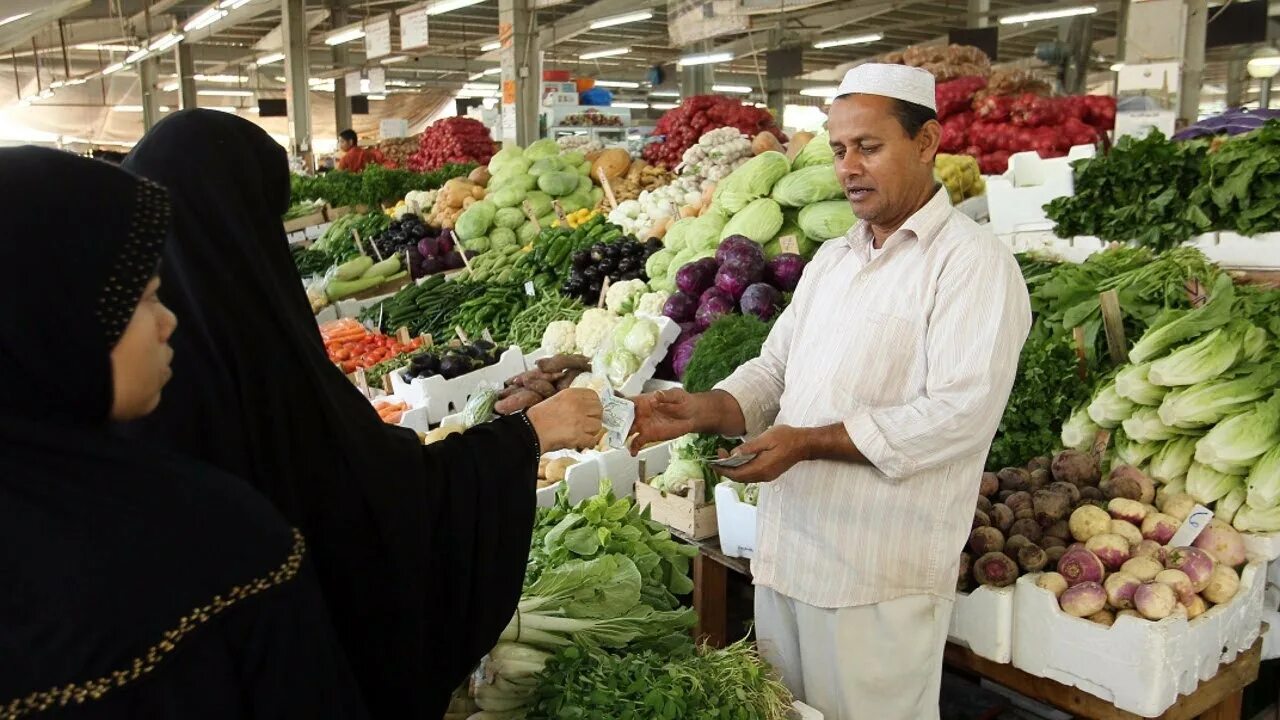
924,224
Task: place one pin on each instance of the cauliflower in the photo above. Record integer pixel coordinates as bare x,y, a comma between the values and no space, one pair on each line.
652,303
623,295
558,338
593,330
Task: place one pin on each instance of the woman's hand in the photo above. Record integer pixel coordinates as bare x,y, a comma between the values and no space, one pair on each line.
569,419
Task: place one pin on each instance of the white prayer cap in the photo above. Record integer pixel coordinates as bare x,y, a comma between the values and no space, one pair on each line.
910,84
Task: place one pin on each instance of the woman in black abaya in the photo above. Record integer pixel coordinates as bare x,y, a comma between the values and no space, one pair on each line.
421,551
133,584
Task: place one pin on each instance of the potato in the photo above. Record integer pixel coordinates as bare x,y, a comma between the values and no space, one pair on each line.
557,468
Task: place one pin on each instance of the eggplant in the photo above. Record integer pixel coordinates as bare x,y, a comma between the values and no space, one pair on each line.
613,252
607,265
592,290
454,365
628,264
592,275
394,226
408,217
581,260
419,231
597,252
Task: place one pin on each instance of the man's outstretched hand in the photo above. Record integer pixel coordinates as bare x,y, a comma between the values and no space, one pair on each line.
663,415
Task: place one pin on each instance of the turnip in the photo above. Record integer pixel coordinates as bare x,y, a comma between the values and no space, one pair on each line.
1014,544
990,484
1159,527
1053,582
980,519
1178,506
1087,521
1079,565
1038,478
1072,491
1076,467
1054,553
1083,599
1179,582
985,540
1111,549
1223,585
1150,549
1120,588
995,569
1143,568
1031,558
1028,528
1050,506
1127,481
1018,500
1156,601
984,504
1128,510
1194,562
1048,541
1126,530
1001,516
1015,479
1196,608
1103,617
1223,542
1091,494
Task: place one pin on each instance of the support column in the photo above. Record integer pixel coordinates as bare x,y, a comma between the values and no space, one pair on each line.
186,65
1237,81
341,101
978,12
147,77
695,80
1080,43
1264,93
296,73
1193,62
775,98
521,72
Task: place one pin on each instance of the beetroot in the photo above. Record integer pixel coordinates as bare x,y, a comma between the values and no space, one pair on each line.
984,504
1223,542
1079,565
1155,601
1001,516
1083,599
1120,588
1054,553
1026,527
1072,492
995,569
1015,479
964,571
1031,558
981,519
1076,467
1126,481
985,540
1111,549
1050,506
989,485
1196,563
1060,530
1159,527
1018,500
1014,544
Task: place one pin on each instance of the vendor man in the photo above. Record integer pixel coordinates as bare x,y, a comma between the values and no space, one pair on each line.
355,158
870,410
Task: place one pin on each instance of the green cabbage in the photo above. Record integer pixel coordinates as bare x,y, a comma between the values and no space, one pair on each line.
703,232
509,217
508,197
677,237
527,233
476,220
808,186
827,219
656,265
546,165
1204,359
1238,441
558,184
501,237
753,179
1173,459
540,203
573,158
1179,325
507,159
817,152
585,185
1264,480
1207,485
760,220
477,245
1208,403
1132,384
540,149
1079,431
575,201
619,366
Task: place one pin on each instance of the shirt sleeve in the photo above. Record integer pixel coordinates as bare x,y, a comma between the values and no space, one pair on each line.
980,320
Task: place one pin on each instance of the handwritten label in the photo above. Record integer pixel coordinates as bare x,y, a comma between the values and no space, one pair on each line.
528,288
789,244
528,212
362,381
1191,528
604,290
564,221
462,335
608,189
402,335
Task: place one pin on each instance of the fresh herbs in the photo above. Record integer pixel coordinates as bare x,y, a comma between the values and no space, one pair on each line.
730,341
373,187
1241,185
1045,391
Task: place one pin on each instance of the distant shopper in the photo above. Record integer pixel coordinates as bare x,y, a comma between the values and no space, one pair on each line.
137,584
870,410
354,157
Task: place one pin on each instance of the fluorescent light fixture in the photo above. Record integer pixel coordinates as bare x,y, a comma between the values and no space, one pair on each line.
663,106
376,97
820,92
1115,67
165,42
224,108
169,87
491,46
850,40
345,35
127,108
237,4
631,105
225,79
226,93
492,71
269,59
70,82
735,89
204,19
611,52
112,68
136,56
394,59
475,76
14,18
621,19
46,93
109,47
481,87
705,58
165,108
665,93
1047,15
445,6
618,84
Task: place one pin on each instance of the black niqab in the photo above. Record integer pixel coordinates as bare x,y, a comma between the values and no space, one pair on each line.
421,552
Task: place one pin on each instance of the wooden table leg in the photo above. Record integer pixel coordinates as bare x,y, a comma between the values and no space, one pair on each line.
710,600
1229,709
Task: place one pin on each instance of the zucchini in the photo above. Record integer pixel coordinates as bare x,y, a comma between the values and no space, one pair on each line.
355,268
390,266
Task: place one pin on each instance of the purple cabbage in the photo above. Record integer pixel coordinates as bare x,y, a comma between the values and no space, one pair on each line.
715,292
761,300
712,309
695,277
452,260
729,245
680,307
429,247
682,353
732,281
687,330
746,260
445,244
783,271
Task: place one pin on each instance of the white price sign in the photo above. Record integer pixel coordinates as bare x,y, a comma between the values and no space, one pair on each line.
353,83
377,80
377,37
413,28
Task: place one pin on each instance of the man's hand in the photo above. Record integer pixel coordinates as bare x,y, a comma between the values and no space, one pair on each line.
777,450
663,415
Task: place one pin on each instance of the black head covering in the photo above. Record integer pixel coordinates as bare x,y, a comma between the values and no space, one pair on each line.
420,553
106,545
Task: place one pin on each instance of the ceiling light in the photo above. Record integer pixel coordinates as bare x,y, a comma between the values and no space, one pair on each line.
204,19
46,93
345,35
69,82
491,46
127,108
165,42
14,18
136,56
1115,67
705,58
224,108
631,105
226,93
850,40
481,87
621,19
492,71
225,79
1265,63
269,58
665,93
394,59
376,97
445,6
108,47
820,92
611,52
112,68
737,89
663,106
165,108
1047,15
169,87
618,84
475,76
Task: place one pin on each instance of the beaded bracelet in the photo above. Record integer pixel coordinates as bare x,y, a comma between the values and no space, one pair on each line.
533,434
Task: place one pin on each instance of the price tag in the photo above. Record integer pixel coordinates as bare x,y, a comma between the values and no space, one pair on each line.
1190,529
362,381
528,212
528,288
485,334
427,341
462,335
789,244
564,221
402,335
604,290
608,189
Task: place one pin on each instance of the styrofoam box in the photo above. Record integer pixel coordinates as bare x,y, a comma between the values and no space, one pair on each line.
737,523
442,398
1069,249
1016,199
1262,546
656,458
804,712
668,331
982,621
616,466
1137,665
1261,252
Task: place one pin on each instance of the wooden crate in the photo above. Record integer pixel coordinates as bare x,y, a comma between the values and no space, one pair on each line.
302,223
692,517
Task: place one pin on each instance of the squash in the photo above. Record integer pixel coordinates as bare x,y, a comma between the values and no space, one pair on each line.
798,141
614,161
764,142
480,175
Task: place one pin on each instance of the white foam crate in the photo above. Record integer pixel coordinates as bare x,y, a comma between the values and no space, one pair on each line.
1069,249
668,331
443,398
982,621
804,712
736,521
1262,546
616,466
1137,665
1230,250
1016,199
